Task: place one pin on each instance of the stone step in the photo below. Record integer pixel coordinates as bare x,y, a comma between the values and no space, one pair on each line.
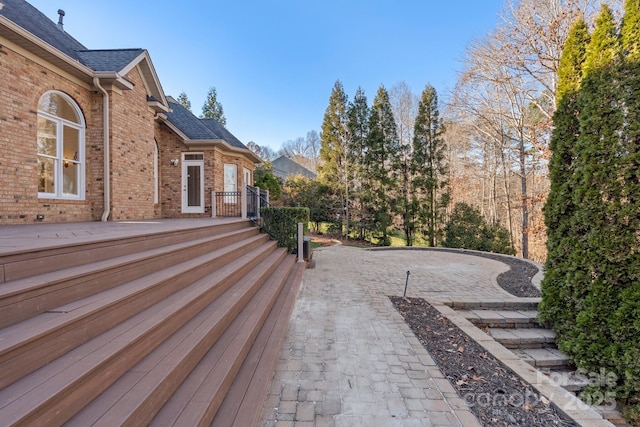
528,338
502,318
570,380
514,305
549,358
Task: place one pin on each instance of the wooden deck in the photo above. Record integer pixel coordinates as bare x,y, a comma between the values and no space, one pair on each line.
173,322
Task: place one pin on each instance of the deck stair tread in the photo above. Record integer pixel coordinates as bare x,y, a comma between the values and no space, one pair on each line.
200,395
26,263
58,330
116,350
176,327
252,384
174,359
31,295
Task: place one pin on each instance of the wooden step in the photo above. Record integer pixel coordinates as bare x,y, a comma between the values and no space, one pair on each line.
524,338
243,403
197,400
54,393
25,298
157,376
63,329
26,263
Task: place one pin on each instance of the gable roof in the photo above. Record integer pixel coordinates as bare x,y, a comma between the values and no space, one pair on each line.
285,167
202,132
108,60
26,26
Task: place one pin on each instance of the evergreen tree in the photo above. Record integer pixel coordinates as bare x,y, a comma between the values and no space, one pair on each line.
558,307
333,148
380,161
630,31
604,45
570,66
600,120
429,164
467,229
591,289
264,178
184,101
212,108
358,130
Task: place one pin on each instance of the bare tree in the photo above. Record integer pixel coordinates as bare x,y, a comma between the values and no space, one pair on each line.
313,147
293,148
264,152
404,104
505,96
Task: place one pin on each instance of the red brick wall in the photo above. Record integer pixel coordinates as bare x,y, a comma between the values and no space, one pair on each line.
23,82
132,153
133,130
172,147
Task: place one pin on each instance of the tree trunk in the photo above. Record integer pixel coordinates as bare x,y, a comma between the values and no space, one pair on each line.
507,190
524,201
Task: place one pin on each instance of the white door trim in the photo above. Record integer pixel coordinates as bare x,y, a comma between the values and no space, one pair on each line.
195,203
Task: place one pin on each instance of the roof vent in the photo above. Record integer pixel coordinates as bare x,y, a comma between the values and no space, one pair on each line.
60,17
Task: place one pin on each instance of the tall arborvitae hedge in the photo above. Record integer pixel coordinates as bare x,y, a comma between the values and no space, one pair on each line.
558,306
592,291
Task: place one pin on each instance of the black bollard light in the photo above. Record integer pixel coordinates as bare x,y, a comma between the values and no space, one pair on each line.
406,284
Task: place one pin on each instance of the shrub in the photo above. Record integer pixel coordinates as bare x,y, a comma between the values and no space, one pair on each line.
467,229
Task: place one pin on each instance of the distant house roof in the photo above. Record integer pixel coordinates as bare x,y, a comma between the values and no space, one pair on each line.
202,132
26,26
284,167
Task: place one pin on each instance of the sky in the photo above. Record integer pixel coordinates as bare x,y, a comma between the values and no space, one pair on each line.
274,62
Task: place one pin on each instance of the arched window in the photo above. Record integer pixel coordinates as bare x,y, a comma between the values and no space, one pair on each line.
61,129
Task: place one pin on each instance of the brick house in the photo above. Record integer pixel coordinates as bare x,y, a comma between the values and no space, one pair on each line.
88,135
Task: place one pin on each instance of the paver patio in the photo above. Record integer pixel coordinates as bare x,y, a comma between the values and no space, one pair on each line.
350,360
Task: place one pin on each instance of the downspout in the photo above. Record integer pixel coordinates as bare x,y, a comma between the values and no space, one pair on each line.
106,179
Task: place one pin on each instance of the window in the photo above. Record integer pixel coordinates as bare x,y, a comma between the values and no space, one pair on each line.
230,182
60,147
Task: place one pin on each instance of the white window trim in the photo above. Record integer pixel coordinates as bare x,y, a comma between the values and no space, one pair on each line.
58,160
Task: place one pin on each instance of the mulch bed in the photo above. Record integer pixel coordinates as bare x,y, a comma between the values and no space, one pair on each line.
516,281
496,395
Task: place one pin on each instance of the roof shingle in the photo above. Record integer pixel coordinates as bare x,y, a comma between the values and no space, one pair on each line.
200,129
31,19
108,59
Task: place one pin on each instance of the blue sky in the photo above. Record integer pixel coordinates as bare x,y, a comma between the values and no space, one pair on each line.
274,62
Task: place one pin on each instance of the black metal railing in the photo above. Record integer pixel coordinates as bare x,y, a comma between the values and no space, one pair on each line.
273,221
227,204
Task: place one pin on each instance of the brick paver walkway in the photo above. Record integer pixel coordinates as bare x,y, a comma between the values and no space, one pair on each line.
350,360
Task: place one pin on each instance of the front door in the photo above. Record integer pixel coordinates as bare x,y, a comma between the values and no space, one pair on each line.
192,183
